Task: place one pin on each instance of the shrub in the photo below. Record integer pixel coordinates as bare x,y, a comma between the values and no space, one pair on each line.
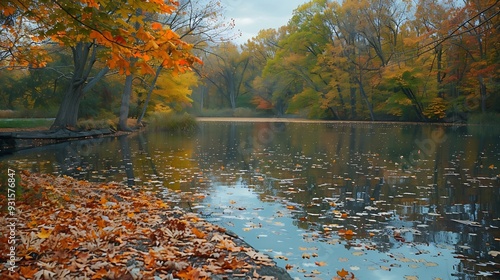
7,114
168,121
91,124
243,112
488,118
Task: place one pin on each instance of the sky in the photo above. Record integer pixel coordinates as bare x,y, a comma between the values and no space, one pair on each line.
253,15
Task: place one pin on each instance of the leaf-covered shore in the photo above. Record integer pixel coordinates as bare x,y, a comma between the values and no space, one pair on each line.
70,229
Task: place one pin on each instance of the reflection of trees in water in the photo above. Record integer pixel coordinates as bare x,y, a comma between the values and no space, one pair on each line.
127,163
64,158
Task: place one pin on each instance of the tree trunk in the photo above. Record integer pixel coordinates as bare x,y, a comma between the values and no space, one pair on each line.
353,102
484,94
150,92
368,103
125,105
84,57
67,115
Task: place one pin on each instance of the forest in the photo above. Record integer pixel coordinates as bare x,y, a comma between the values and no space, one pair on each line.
378,60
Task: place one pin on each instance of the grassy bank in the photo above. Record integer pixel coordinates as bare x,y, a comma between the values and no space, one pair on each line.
26,123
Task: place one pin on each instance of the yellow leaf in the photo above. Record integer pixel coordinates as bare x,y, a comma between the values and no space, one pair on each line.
44,233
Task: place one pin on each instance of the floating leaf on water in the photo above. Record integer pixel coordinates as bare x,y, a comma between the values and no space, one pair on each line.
414,266
467,222
411,277
320,263
484,273
431,264
494,253
342,273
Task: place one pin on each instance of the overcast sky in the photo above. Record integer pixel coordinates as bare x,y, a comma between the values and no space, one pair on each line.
253,15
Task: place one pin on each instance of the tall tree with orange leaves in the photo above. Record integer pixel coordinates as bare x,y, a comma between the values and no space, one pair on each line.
95,30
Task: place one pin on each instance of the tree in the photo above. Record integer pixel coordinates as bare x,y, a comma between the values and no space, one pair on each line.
198,22
105,30
225,70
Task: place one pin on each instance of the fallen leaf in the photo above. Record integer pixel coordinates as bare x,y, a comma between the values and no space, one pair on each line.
28,271
44,233
198,233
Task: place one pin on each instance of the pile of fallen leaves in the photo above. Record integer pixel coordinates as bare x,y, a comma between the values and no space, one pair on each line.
69,229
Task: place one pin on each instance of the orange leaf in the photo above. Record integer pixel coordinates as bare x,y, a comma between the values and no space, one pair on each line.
189,274
120,40
100,274
146,69
343,273
28,272
156,26
101,223
198,233
149,261
7,10
103,200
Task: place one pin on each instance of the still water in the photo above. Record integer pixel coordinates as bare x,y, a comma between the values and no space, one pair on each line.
380,201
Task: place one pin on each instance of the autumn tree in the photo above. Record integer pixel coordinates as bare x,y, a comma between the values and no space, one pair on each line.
105,31
225,69
260,50
477,40
198,22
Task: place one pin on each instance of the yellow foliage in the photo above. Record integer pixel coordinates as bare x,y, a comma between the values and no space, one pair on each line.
174,89
436,109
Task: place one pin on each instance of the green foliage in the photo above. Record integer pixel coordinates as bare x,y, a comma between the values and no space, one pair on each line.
172,122
307,104
488,118
25,123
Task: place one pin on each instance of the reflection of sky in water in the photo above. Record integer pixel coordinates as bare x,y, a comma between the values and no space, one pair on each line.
270,228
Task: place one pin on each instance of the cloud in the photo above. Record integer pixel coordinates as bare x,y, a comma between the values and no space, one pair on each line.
252,16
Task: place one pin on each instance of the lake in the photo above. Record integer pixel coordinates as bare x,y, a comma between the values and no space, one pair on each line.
377,200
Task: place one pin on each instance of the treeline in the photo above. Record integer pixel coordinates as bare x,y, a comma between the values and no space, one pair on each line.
70,59
426,60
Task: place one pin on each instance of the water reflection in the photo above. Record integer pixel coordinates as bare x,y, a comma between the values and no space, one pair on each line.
409,192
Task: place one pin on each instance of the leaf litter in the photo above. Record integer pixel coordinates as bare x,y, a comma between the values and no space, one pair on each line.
71,229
